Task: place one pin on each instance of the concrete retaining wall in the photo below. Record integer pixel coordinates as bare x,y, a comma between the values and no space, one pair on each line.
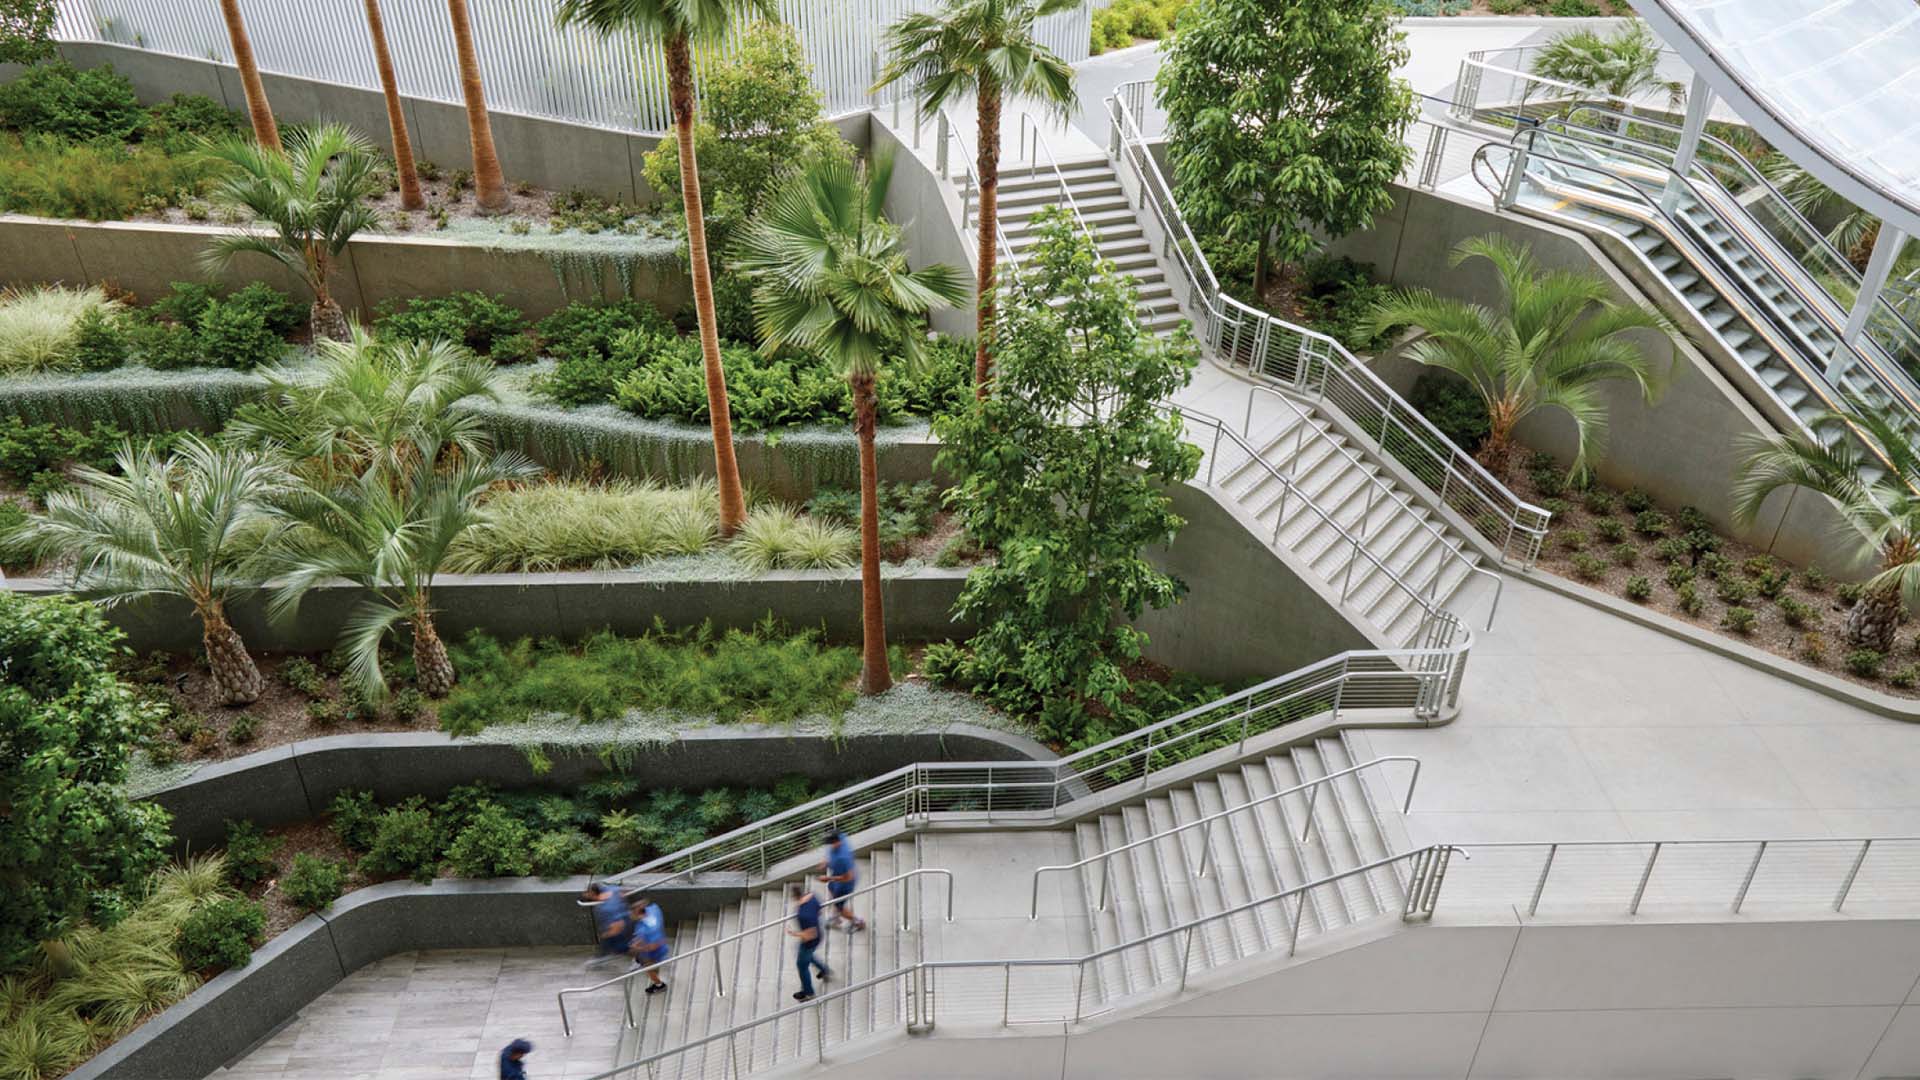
295,782
146,257
221,1020
927,209
1683,449
568,605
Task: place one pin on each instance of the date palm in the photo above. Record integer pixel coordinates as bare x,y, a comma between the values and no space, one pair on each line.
190,524
1626,65
307,204
265,130
679,24
489,183
409,176
1554,340
987,48
390,535
830,276
1880,509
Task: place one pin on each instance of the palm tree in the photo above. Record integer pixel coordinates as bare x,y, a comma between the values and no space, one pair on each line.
265,131
363,405
678,24
489,183
1626,65
410,196
1853,231
988,48
830,277
189,524
389,534
1557,336
1882,513
311,200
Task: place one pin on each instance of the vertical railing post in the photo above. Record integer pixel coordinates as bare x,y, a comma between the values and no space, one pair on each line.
1006,993
1206,846
1079,988
1533,907
1645,875
1299,911
989,793
1747,882
1146,761
940,148
820,1031
1853,872
1313,799
1186,960
1215,454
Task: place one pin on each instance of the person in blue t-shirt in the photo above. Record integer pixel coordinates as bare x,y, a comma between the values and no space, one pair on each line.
841,873
513,1060
650,940
806,928
610,921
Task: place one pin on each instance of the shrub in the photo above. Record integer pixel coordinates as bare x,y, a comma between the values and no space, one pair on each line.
1599,501
355,818
1574,9
220,934
51,177
249,853
1574,539
78,104
324,712
1813,648
1699,543
40,328
1848,593
470,318
313,882
1636,501
179,122
1734,590
559,852
1814,580
1451,405
300,674
1559,508
408,705
944,663
1650,523
1671,549
494,843
100,342
835,504
1688,597
1639,589
1865,662
1678,575
404,842
1714,565
1797,614
591,327
515,348
1738,619
1905,678
1588,568
1625,555
1772,583
243,728
1549,481
237,336
1612,530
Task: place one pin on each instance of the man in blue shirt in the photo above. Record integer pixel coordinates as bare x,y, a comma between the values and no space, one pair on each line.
650,941
513,1065
840,870
611,921
806,928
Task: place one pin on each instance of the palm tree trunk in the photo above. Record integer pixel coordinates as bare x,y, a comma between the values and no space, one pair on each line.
432,668
265,131
733,506
1496,454
235,679
874,676
325,318
1875,619
988,108
410,196
489,185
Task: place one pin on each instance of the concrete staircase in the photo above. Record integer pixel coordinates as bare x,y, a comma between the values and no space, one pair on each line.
1405,537
759,978
1104,209
1259,852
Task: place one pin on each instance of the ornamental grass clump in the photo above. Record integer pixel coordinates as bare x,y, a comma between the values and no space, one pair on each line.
566,525
40,328
776,537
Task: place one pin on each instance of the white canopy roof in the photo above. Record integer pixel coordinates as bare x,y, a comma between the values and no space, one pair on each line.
1835,84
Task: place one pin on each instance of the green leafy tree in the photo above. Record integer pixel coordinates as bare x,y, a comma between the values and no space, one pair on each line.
1283,117
987,48
26,31
760,119
1554,340
1061,469
1625,64
307,204
678,25
68,728
188,524
1880,508
831,277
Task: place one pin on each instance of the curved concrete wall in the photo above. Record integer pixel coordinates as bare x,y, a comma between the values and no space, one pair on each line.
295,782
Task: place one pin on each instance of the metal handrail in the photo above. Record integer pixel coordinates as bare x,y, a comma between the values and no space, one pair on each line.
1324,368
1206,844
1039,143
1429,602
719,986
920,970
1404,501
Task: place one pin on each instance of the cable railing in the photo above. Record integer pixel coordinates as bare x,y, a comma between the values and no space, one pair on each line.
1423,679
1312,787
1317,366
719,981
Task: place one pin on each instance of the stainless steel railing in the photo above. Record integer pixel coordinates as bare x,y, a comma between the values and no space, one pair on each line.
1318,367
1312,787
719,982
